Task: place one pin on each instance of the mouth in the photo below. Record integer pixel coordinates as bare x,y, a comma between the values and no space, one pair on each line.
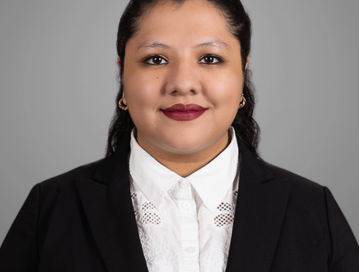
181,112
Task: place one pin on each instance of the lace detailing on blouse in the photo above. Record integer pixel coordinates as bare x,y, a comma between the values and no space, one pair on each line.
226,215
158,255
157,251
223,219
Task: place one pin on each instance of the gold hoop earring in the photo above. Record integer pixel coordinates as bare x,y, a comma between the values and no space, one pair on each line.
122,105
243,102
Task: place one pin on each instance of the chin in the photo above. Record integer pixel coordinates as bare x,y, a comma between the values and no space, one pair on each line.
185,143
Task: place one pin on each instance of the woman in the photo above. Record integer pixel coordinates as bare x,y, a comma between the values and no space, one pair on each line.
182,187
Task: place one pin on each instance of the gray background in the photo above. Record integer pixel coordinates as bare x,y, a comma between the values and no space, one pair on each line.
58,87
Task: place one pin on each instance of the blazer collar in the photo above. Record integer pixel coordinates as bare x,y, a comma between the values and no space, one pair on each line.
261,206
106,200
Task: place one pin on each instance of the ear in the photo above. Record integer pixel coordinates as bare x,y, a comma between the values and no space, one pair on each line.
119,67
247,61
123,98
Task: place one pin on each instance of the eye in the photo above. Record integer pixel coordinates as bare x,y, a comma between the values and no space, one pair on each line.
210,59
155,60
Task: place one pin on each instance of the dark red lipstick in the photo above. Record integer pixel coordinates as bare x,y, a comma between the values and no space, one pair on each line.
181,112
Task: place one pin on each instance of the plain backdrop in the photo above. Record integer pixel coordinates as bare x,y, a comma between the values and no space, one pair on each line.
58,87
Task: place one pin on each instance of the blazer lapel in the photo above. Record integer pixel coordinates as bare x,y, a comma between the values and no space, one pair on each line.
109,211
260,209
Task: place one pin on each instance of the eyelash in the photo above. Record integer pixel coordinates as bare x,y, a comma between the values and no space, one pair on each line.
152,57
219,60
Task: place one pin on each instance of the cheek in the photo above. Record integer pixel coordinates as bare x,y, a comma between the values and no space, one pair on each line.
225,95
142,94
142,91
225,92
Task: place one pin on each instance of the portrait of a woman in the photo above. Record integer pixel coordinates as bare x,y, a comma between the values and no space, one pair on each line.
182,186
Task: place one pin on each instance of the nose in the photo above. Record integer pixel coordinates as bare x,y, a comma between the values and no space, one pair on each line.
183,79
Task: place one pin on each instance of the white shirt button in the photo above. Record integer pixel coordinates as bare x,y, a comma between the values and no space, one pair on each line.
189,249
186,206
184,184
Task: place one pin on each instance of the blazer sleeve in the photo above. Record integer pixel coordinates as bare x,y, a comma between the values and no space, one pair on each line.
19,251
344,255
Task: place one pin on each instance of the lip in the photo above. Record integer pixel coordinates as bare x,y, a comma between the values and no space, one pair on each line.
181,112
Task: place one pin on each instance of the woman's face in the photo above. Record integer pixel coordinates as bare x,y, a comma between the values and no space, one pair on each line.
182,55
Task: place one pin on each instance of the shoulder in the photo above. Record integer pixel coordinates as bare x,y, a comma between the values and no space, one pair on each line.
307,199
65,181
294,178
302,188
56,196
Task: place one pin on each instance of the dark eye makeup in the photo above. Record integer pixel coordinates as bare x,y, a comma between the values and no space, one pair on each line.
155,60
208,59
211,59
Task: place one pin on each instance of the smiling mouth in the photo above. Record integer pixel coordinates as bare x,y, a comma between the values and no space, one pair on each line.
181,112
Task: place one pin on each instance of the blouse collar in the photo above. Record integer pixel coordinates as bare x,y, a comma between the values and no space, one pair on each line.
211,182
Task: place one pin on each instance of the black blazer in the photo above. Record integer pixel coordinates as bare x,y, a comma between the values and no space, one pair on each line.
83,221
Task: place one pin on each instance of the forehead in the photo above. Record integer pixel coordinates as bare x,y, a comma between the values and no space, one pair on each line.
188,8
189,23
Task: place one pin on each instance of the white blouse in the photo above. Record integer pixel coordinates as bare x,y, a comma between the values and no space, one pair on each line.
185,224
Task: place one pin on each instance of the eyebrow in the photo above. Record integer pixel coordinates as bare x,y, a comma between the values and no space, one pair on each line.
210,43
148,45
213,43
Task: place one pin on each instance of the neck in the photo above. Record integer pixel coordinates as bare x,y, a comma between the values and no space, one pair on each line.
186,164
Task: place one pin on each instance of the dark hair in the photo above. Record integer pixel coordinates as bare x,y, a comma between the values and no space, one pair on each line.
240,26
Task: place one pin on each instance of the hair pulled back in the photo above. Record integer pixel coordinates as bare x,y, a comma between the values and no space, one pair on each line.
239,24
